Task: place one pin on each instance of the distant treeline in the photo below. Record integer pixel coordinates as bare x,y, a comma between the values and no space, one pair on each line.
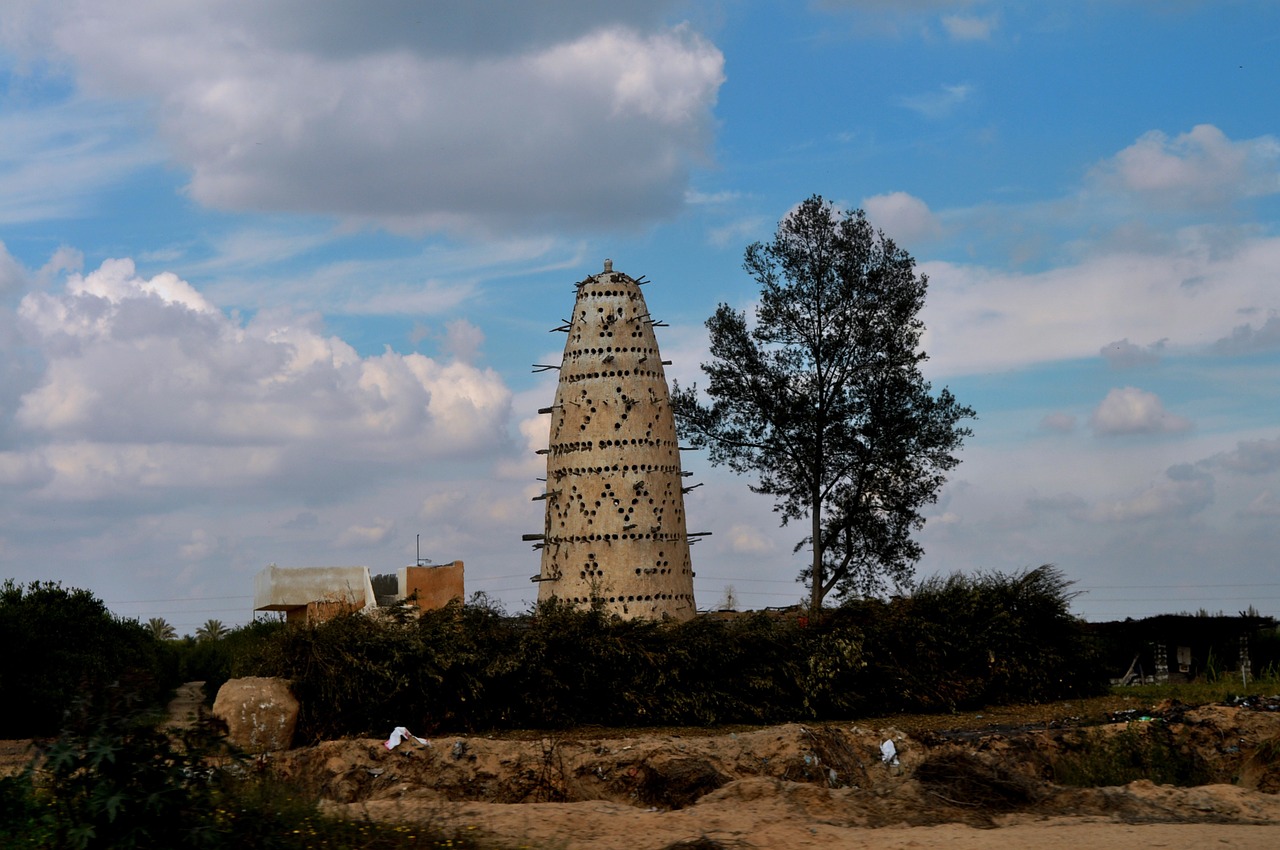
956,643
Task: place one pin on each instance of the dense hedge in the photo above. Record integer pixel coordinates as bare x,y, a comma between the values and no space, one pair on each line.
956,643
62,646
959,642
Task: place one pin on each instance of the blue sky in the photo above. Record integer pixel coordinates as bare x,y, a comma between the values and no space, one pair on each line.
272,275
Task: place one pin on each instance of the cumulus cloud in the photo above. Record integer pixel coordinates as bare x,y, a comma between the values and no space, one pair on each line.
1123,354
416,117
904,218
1198,168
1184,491
1250,457
146,385
1129,410
1244,339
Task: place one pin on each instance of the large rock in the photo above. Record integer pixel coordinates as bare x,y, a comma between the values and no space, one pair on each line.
260,713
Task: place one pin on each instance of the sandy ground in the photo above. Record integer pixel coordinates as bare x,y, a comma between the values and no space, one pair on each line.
798,786
805,786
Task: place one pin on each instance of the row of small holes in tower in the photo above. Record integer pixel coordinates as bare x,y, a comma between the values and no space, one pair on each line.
589,445
574,377
655,597
598,352
610,293
661,571
592,566
589,538
634,467
639,333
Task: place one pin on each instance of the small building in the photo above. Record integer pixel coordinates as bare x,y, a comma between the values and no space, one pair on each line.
431,587
313,594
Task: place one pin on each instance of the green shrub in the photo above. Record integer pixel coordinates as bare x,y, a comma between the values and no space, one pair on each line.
958,642
112,780
1140,751
63,645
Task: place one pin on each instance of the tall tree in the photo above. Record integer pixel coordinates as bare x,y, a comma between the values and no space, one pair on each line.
821,396
211,630
160,629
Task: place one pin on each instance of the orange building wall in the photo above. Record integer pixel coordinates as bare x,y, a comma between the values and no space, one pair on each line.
436,586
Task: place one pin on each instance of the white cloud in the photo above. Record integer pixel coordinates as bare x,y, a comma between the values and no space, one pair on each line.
1058,422
1198,168
410,117
1244,339
1129,410
748,540
904,218
147,386
1123,354
969,27
983,319
1184,491
1251,457
941,103
57,156
739,232
364,536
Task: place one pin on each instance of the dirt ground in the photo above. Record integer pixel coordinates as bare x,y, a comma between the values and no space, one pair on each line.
978,780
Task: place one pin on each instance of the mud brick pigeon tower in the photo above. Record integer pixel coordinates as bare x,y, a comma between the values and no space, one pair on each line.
615,524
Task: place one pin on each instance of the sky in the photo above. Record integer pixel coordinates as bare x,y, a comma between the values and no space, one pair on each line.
273,275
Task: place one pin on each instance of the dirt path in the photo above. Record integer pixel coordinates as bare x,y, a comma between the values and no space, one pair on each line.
184,708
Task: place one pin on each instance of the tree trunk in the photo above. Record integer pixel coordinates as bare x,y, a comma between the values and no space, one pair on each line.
817,579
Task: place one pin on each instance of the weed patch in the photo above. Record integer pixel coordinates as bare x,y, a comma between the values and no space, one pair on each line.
1099,758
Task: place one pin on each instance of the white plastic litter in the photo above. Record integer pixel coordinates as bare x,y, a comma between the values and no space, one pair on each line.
399,734
889,754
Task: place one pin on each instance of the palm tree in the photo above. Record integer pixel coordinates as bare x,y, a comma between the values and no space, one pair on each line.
211,630
160,629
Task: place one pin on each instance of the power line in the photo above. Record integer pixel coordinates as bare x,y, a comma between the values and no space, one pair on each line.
178,599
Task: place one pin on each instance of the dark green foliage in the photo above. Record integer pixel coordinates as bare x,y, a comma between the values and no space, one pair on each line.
385,584
966,641
1214,642
959,642
1140,751
62,645
234,654
821,398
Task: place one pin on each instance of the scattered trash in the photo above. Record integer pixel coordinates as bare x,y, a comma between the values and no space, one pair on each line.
459,749
399,734
889,754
